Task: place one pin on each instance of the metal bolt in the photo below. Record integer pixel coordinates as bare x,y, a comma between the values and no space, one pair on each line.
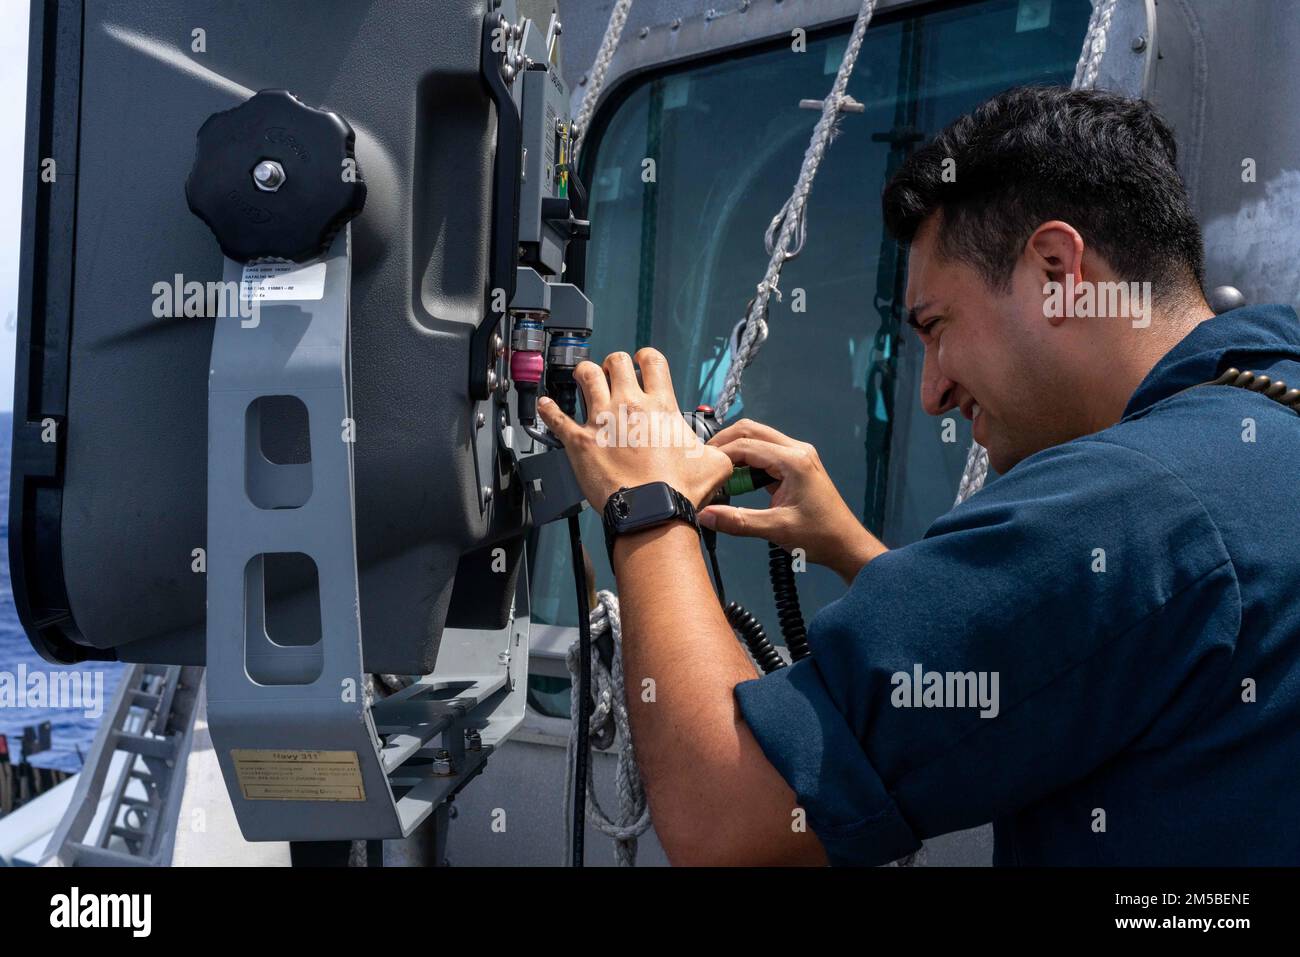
582,80
473,740
677,23
744,6
710,14
441,762
503,658
645,32
486,492
508,72
492,380
480,420
498,345
268,176
1139,43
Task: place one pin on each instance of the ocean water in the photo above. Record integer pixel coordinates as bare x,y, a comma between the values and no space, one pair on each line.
71,731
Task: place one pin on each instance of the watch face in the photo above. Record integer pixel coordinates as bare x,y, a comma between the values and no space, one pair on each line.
643,505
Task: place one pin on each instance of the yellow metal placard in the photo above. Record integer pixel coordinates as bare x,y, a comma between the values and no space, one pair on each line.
270,775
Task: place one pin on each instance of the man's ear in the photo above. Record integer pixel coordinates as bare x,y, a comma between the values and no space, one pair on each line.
1055,253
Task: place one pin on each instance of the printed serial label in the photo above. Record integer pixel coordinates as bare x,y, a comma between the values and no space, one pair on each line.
268,282
298,775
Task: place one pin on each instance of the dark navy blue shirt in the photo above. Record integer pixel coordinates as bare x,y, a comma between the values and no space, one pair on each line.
1136,592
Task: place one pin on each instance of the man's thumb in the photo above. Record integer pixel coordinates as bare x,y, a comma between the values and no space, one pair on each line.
752,522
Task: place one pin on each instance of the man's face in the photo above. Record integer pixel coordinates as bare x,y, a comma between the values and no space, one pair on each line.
989,354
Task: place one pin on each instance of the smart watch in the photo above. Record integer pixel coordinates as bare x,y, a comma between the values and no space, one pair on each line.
645,506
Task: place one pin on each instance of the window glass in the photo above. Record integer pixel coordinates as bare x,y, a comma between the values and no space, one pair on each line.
685,175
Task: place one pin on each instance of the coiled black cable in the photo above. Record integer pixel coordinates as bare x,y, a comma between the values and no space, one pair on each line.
748,629
781,572
1258,382
745,625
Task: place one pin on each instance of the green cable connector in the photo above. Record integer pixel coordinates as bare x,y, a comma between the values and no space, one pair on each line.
745,479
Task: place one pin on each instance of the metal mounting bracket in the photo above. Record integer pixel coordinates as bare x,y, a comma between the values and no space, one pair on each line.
304,752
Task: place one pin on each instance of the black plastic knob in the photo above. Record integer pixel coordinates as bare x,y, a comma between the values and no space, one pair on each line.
274,178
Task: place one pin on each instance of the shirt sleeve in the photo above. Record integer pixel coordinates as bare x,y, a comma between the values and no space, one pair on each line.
1080,605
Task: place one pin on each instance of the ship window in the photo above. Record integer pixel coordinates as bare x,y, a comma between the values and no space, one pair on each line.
685,172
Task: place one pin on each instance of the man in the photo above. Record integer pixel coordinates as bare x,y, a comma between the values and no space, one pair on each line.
1120,608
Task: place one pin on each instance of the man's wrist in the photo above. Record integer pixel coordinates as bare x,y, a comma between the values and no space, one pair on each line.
858,556
669,535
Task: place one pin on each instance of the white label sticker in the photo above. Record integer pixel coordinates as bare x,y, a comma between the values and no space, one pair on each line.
266,282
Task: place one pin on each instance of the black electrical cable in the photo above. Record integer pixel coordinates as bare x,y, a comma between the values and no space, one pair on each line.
584,695
578,199
563,390
781,572
711,544
542,438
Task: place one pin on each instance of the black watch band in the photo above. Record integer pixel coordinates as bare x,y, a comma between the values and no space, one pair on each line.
645,506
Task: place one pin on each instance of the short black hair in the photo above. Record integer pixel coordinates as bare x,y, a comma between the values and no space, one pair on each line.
1104,163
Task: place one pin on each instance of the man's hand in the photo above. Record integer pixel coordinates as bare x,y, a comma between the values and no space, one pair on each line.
806,511
633,434
715,797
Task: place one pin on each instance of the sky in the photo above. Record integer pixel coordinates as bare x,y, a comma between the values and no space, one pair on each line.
13,107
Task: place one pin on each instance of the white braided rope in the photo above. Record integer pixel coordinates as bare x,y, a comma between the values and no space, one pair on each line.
608,724
596,76
1094,44
1086,72
791,215
974,474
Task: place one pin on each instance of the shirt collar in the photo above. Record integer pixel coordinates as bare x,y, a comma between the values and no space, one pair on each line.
1240,337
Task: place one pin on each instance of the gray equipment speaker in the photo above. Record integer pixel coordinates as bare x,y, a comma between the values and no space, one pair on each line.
109,496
